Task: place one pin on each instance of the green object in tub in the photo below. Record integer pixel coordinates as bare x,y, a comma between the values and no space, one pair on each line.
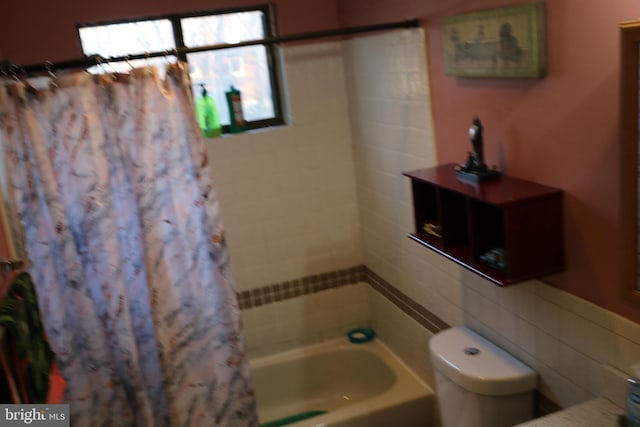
361,335
292,419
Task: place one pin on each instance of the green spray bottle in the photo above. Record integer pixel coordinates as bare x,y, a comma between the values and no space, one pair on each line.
207,113
236,116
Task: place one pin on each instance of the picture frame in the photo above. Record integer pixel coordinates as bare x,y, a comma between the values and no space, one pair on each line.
503,42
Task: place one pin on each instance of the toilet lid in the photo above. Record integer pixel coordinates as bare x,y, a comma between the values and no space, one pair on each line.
478,365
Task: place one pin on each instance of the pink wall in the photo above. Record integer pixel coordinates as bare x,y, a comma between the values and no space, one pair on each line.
562,130
42,30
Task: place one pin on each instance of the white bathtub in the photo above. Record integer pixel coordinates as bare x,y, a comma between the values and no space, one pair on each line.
358,385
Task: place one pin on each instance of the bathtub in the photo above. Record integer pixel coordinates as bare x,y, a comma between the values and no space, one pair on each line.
353,385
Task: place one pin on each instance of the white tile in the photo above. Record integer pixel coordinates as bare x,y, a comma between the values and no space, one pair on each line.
626,328
472,303
508,297
451,314
614,385
595,377
599,343
442,284
575,366
573,331
551,384
548,316
572,394
626,355
488,332
507,324
527,336
593,313
490,313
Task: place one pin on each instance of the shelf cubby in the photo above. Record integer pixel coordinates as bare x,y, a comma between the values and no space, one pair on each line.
519,222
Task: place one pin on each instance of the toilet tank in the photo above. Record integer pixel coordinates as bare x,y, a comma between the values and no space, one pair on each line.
477,383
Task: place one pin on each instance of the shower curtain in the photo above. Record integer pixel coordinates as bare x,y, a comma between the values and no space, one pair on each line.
120,222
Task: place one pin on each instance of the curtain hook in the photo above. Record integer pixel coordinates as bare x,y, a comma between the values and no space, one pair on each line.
48,65
114,72
149,71
179,62
165,57
110,64
100,63
13,71
4,67
126,59
90,61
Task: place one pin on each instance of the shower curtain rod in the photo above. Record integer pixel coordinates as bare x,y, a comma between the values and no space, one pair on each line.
8,68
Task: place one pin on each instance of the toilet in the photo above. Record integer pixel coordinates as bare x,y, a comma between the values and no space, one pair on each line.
477,383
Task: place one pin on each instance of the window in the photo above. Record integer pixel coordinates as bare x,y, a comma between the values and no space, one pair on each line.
251,69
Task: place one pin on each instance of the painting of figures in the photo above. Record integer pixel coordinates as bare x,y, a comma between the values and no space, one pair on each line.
504,42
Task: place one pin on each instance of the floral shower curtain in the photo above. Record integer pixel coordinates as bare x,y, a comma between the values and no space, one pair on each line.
120,222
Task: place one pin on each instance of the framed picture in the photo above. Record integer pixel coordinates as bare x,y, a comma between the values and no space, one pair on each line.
503,42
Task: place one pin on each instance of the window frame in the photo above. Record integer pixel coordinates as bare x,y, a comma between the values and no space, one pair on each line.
272,52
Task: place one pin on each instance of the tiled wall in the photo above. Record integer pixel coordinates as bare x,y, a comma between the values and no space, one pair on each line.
579,349
287,194
306,319
301,287
289,207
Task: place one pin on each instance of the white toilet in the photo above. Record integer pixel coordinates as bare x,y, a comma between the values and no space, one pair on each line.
477,383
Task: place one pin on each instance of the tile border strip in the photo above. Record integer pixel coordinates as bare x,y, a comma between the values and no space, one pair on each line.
298,287
319,282
416,311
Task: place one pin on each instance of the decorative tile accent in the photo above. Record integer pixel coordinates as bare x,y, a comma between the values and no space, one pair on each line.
298,287
319,282
424,317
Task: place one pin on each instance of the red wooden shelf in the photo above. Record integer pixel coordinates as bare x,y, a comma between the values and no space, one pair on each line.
521,218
